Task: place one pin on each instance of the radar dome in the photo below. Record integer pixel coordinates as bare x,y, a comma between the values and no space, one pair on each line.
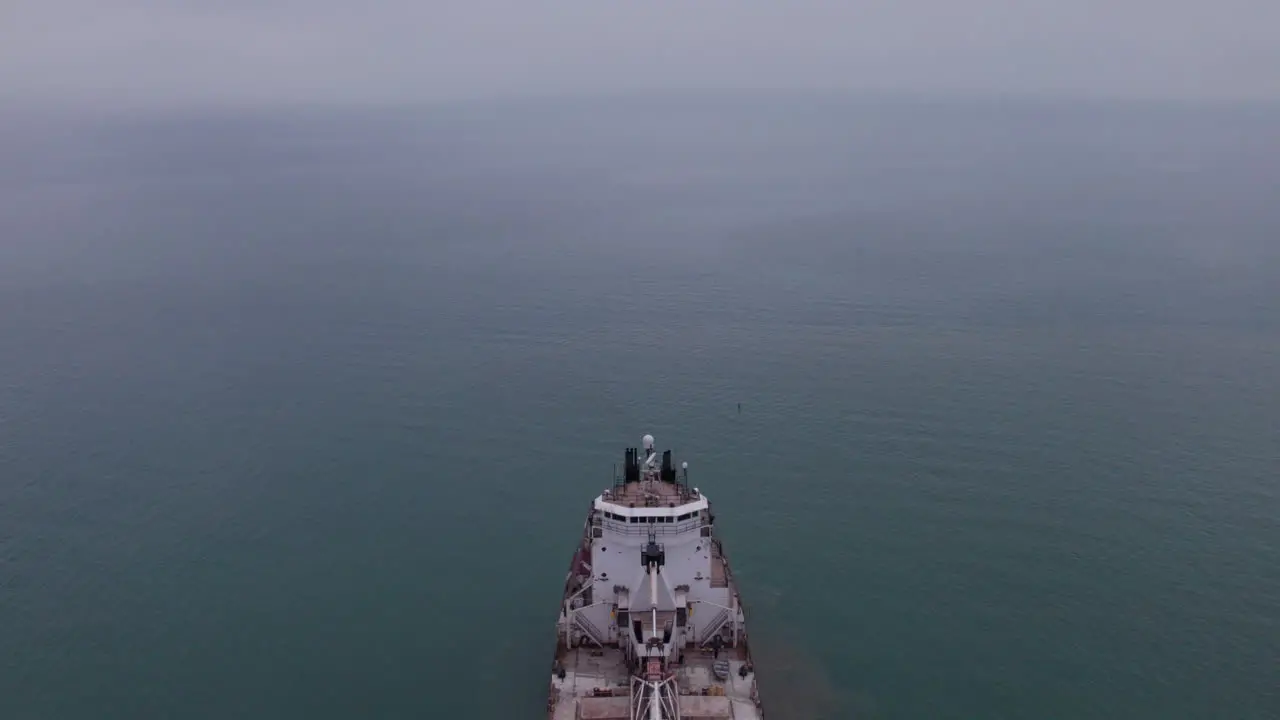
648,442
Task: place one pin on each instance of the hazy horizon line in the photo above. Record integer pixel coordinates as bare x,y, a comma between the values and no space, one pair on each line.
215,107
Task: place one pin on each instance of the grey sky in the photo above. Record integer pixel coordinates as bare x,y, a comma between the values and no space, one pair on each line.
263,51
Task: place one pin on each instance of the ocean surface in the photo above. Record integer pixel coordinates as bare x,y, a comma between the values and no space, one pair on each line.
301,410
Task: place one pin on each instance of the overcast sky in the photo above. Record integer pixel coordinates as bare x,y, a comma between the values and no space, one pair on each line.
361,51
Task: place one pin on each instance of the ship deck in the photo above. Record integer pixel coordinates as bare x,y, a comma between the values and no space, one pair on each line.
719,567
651,494
697,674
589,670
593,674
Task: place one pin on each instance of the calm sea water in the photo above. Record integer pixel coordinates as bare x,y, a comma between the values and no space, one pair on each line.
300,412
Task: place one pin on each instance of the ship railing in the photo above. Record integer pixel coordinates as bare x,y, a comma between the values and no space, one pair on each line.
642,529
683,495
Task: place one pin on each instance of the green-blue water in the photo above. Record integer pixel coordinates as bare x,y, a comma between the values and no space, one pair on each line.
300,412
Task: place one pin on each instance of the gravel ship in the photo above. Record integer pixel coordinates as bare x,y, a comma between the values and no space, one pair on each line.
651,626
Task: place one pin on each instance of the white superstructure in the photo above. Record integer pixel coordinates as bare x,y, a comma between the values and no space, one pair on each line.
651,626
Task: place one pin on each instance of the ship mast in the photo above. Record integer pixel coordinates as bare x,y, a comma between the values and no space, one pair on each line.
654,695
